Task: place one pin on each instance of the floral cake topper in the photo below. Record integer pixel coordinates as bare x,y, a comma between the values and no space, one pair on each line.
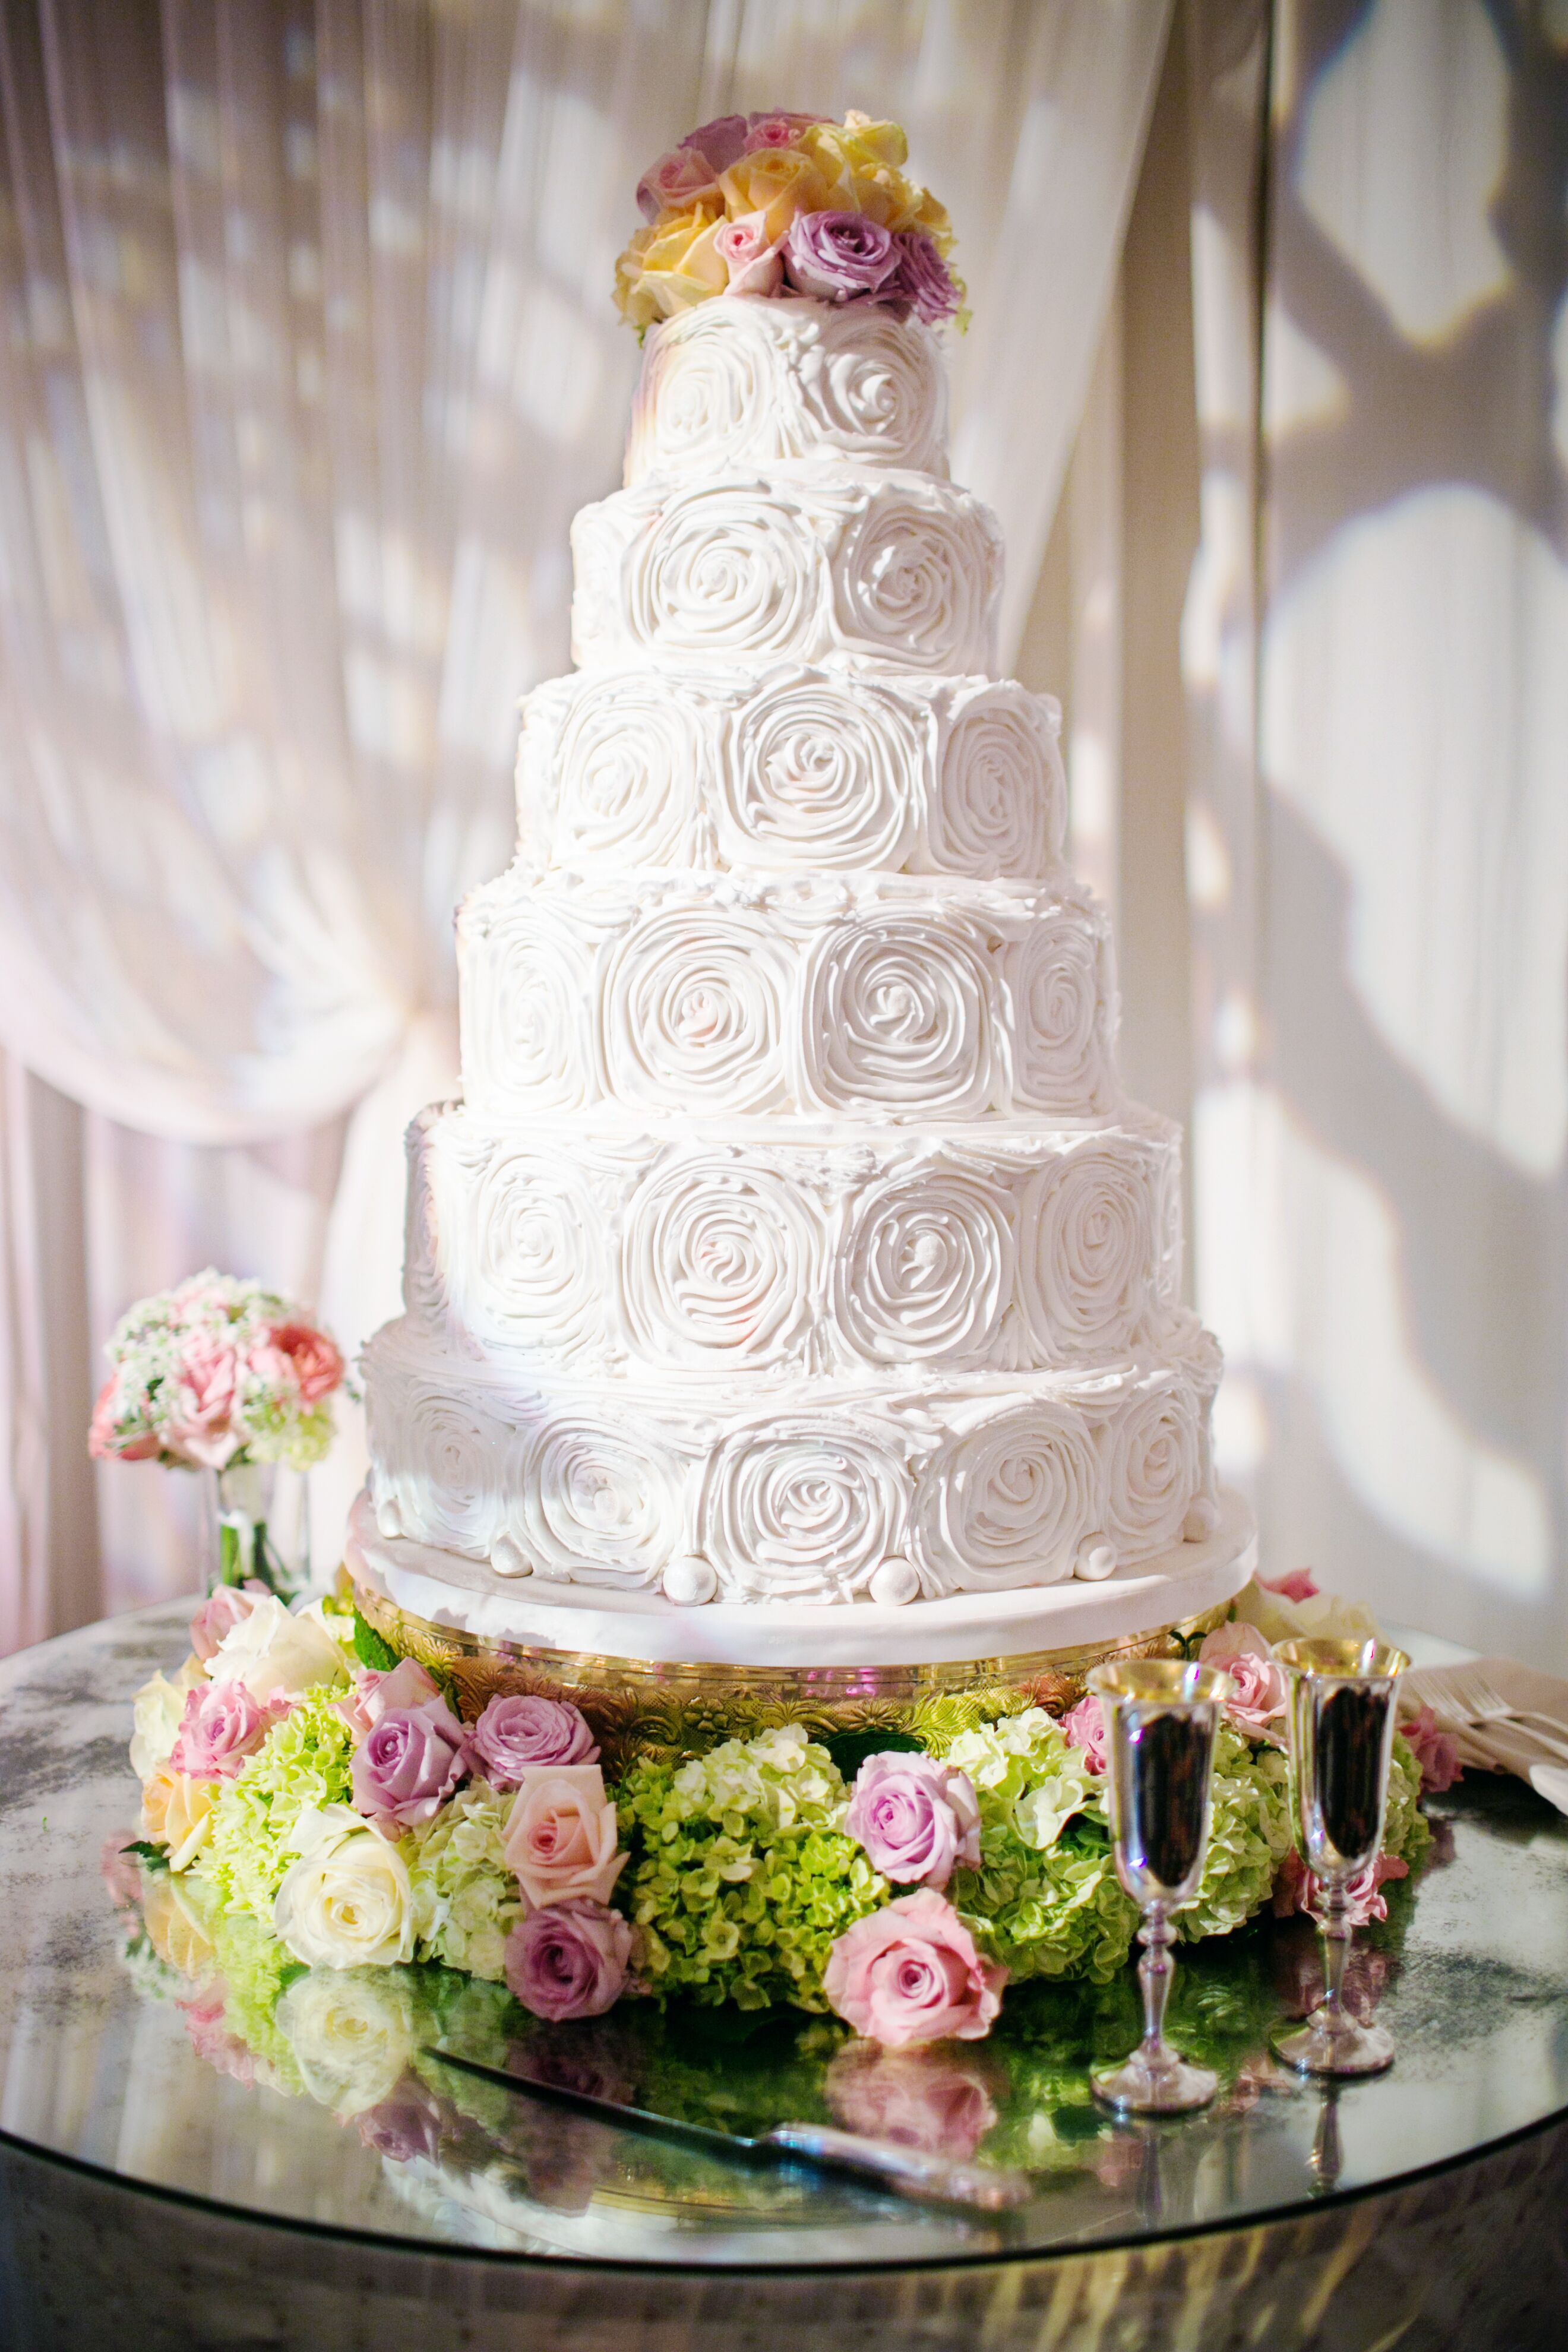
788,203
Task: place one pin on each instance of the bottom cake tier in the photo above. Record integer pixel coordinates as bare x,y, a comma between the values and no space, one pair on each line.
652,1677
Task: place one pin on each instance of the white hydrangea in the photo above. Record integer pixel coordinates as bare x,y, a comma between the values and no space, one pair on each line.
466,1900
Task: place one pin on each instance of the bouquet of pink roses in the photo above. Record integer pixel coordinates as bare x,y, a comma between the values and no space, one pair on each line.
788,203
216,1372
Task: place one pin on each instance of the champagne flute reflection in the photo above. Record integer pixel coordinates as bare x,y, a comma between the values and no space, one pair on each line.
1161,1717
1342,1714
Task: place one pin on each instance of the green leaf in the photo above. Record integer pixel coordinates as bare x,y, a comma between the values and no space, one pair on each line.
152,1856
850,1750
370,1649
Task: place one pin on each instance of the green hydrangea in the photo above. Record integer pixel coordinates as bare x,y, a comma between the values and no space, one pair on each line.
303,1761
742,1877
1250,1834
466,1900
1027,1776
1406,1832
255,1968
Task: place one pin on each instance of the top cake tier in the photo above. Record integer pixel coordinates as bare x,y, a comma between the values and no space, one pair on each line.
748,382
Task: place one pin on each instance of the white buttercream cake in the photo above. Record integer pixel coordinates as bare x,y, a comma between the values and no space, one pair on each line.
794,1284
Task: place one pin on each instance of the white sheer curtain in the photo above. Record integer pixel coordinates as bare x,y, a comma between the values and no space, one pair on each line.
309,358
1379,841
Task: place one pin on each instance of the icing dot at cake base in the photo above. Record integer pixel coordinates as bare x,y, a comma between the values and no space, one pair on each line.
388,1519
506,1557
1203,1518
894,1583
689,1582
1096,1560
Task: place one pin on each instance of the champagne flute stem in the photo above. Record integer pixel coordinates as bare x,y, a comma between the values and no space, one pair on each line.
1336,1943
1154,1973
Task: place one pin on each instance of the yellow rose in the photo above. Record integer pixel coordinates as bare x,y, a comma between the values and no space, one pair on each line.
885,197
876,143
174,1814
778,182
858,149
174,1928
670,267
931,219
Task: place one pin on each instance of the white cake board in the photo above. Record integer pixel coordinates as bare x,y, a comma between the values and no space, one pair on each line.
531,1612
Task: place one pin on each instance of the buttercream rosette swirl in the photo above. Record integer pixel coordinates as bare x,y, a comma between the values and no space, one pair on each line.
463,1457
626,763
923,1271
1007,1502
896,1019
600,1504
538,1256
874,388
916,578
732,569
1154,1468
819,774
1058,998
720,1261
804,1507
1088,1250
425,1288
693,1010
1000,803
527,1013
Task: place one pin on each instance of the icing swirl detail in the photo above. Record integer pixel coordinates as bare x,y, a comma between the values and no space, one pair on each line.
1008,1503
461,1457
723,570
694,1011
1057,994
924,1272
897,1018
529,1026
1088,1250
805,1507
423,1279
819,775
1153,1469
720,1263
911,584
628,756
1000,807
600,1507
538,1267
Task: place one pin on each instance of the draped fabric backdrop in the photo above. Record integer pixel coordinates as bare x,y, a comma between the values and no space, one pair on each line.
309,358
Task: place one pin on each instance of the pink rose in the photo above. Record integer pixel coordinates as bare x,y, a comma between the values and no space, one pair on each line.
560,1835
569,1959
911,1973
514,1732
756,266
1437,1752
222,1725
299,1354
374,1692
200,1427
1296,1889
220,1612
101,1442
917,1819
210,2038
776,130
408,1764
1300,1585
1257,1685
676,181
927,2099
1083,1728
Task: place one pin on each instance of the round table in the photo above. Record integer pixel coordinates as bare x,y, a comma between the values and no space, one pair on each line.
150,2199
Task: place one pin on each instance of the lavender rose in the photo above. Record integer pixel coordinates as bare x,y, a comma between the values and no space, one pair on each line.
513,1733
569,1959
917,1819
408,1764
838,256
922,278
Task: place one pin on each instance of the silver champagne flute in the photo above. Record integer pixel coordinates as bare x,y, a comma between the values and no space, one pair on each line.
1159,1718
1341,1715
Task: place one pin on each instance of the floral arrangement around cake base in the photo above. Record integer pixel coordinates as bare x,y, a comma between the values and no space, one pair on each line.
328,1809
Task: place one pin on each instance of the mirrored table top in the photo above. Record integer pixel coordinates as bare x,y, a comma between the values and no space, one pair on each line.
110,2058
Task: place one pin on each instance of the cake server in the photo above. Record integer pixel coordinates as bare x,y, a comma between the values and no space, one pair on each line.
907,2171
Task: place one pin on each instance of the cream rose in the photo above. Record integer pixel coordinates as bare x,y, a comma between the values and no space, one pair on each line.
177,1811
560,1835
346,1903
155,1718
352,2034
277,1654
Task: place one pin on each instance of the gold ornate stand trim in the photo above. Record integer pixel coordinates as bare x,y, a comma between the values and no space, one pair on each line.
665,1709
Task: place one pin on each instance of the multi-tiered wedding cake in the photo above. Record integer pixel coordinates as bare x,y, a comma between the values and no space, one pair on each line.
794,1284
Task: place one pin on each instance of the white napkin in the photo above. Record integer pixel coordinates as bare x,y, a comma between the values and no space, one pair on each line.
1501,1746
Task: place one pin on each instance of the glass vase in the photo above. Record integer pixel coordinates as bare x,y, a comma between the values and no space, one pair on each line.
255,1528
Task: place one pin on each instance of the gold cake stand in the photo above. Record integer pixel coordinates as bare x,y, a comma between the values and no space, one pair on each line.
667,1709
